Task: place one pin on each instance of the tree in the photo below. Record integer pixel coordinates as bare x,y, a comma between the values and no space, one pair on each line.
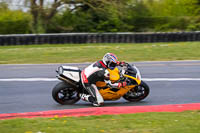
94,16
3,6
42,13
13,22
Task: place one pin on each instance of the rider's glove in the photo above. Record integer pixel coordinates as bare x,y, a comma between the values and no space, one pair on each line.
122,84
128,82
121,63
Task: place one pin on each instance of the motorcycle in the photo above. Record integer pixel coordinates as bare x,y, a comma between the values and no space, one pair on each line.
67,91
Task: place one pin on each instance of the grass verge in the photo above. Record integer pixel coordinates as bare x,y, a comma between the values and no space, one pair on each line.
165,122
73,53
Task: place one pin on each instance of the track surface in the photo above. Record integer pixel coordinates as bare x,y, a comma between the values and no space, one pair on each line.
23,96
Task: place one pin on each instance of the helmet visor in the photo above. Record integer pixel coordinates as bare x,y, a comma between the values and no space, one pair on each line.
112,65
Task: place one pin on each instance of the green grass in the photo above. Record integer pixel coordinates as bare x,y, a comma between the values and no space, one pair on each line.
182,122
73,53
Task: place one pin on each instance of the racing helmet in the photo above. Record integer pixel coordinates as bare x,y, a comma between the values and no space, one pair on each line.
110,60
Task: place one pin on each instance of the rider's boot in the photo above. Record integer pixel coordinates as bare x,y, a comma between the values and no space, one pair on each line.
86,97
89,98
95,104
96,95
95,98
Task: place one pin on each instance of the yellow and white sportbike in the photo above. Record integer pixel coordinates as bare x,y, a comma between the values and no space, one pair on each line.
67,91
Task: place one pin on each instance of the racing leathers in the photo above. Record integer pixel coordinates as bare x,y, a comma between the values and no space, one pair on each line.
89,76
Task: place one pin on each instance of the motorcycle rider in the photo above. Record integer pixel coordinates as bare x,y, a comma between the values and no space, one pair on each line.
98,71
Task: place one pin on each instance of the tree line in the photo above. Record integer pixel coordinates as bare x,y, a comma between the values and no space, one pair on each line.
59,16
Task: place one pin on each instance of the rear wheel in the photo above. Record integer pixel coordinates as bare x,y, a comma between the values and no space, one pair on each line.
65,94
138,93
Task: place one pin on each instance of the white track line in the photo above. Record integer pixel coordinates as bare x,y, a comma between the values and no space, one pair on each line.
55,79
29,79
171,79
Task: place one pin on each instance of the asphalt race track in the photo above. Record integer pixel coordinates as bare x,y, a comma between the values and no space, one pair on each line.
27,88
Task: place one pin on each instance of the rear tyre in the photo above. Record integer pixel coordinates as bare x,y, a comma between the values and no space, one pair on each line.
138,93
65,94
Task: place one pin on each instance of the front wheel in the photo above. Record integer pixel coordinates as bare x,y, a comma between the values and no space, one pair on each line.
138,93
65,94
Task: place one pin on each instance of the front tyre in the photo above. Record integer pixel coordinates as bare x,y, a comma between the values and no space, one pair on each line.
138,93
65,94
